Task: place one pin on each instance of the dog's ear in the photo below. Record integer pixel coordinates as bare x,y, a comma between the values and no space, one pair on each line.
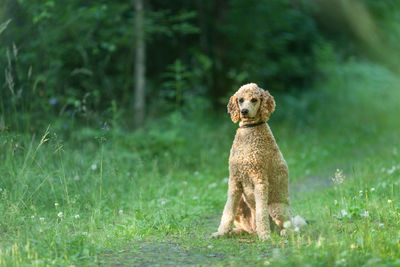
233,109
267,105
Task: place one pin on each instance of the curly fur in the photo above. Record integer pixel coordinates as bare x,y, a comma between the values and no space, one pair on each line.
267,106
233,109
258,173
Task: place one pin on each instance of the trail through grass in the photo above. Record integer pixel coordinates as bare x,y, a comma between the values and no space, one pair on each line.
153,197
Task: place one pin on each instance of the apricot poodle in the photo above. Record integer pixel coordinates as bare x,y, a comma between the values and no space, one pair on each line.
258,173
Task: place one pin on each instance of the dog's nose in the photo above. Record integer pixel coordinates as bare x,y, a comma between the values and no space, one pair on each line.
244,111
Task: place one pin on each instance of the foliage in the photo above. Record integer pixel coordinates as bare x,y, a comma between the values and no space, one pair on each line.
274,47
77,187
176,82
106,195
78,55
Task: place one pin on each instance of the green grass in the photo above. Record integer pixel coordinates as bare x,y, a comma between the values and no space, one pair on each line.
155,196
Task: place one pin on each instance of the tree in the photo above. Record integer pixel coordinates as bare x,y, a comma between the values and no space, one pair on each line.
140,66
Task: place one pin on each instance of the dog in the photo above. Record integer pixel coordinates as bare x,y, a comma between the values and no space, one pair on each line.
258,173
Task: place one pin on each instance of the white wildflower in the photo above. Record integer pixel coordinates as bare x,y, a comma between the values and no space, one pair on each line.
94,166
56,204
344,213
77,216
195,197
352,246
390,201
163,202
121,212
339,177
33,217
381,225
360,193
392,170
341,261
210,246
212,185
60,214
365,214
41,219
372,189
85,233
40,230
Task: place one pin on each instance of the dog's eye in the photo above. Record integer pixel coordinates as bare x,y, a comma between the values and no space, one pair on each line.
254,100
241,100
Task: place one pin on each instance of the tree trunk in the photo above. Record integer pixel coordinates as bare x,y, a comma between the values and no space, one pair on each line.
140,65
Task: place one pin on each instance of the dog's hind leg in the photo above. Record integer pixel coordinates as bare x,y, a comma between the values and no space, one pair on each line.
279,213
278,202
244,219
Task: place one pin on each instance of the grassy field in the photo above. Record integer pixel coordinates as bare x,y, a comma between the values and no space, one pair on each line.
153,197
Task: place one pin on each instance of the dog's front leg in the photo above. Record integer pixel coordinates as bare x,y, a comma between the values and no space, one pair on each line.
231,206
262,217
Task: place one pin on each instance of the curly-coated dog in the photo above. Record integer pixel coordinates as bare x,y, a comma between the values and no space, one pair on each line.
258,173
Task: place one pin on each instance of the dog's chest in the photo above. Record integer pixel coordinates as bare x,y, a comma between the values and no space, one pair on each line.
252,147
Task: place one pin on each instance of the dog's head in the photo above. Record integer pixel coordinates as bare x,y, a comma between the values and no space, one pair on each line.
251,103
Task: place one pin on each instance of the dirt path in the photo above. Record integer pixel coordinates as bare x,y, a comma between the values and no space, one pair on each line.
153,253
163,252
170,252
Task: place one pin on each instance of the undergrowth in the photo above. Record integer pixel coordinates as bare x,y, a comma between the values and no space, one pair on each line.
77,198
